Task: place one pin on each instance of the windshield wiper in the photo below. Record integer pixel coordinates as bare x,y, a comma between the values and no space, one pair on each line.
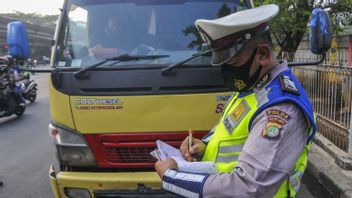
168,70
122,58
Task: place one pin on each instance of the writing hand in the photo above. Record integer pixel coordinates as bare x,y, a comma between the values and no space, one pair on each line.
197,149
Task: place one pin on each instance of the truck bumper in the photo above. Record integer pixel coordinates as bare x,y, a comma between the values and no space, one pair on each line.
126,184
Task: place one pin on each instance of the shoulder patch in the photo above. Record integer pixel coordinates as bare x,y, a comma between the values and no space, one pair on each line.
272,130
288,85
278,113
276,121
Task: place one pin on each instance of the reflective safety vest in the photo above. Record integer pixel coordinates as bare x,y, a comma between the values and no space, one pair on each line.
231,132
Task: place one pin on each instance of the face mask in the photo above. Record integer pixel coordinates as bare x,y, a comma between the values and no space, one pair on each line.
240,74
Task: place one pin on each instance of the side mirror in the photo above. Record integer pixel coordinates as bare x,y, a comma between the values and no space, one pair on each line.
17,40
320,35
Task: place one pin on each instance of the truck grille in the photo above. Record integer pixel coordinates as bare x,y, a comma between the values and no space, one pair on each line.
128,154
131,150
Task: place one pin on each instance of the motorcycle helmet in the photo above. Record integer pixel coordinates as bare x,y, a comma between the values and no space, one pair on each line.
3,61
3,69
10,60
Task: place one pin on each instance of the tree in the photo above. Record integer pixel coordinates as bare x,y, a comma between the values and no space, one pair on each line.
33,18
191,29
289,27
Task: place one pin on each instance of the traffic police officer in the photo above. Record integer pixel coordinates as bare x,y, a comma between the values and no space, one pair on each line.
260,145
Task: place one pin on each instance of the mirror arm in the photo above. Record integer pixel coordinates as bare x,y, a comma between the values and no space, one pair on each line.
292,64
38,70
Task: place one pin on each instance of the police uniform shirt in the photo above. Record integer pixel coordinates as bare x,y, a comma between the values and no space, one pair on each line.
263,164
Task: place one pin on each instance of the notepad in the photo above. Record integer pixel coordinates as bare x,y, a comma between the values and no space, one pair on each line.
165,151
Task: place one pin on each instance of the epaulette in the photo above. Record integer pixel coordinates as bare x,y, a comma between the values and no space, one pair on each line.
264,81
288,85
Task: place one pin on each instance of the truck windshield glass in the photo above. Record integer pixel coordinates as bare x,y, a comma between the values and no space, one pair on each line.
94,30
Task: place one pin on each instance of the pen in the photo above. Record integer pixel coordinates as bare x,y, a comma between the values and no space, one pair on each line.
190,140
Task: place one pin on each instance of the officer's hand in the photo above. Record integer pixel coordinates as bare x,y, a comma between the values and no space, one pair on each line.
162,166
197,149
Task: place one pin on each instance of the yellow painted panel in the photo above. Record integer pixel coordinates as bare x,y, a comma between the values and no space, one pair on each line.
107,181
156,113
53,182
60,109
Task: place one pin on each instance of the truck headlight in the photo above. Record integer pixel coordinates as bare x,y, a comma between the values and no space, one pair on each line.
72,148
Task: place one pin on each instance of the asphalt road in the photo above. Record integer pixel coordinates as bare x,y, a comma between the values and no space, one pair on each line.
26,152
26,149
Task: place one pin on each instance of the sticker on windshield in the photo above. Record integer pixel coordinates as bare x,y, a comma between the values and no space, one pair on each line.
224,98
76,62
61,63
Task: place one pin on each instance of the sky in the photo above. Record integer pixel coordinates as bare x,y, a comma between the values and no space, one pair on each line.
44,7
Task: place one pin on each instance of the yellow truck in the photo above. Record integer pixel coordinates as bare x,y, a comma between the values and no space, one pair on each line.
126,73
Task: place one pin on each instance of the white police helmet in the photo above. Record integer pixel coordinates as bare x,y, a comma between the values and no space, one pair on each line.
227,35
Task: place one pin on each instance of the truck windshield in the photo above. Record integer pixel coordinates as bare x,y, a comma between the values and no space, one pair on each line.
94,30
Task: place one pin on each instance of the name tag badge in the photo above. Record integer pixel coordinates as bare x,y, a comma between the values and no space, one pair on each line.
235,117
229,124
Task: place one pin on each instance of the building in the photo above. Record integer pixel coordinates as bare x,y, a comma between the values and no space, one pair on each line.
39,38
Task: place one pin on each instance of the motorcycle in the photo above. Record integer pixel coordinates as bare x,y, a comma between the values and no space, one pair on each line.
8,104
29,90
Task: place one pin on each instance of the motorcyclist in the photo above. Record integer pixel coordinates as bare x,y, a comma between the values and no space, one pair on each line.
16,76
25,65
4,70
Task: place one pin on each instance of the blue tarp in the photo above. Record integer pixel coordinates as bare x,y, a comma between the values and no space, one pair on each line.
17,40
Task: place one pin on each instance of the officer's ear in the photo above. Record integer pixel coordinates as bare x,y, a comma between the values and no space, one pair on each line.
264,51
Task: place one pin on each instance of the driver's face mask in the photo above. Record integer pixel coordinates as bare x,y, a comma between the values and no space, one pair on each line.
241,74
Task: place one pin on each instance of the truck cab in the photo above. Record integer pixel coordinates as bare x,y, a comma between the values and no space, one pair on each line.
126,73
